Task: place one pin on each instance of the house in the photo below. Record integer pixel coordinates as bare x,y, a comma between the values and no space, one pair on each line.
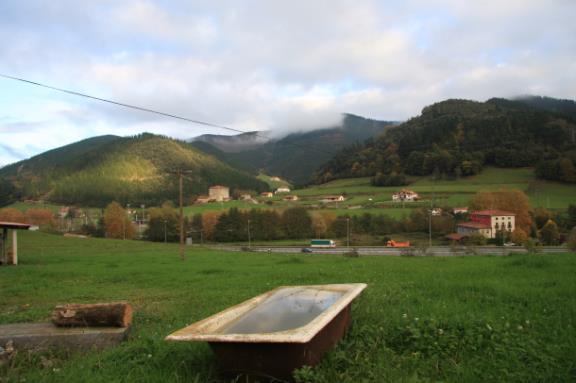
459,210
63,212
290,198
282,190
436,212
267,194
405,195
276,179
202,199
333,198
488,223
219,193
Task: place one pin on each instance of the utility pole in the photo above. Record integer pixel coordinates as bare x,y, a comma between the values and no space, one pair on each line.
249,238
181,218
180,174
165,232
348,232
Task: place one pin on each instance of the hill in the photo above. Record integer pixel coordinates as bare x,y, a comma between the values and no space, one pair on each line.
306,149
126,169
566,108
457,138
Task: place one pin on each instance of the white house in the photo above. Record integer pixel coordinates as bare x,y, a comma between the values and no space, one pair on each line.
405,195
219,193
282,190
488,223
333,198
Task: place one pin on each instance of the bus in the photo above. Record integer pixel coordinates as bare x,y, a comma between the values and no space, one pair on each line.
322,243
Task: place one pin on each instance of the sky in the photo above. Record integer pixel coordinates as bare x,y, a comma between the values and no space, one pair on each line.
272,65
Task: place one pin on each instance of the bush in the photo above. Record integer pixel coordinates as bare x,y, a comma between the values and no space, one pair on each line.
571,243
352,254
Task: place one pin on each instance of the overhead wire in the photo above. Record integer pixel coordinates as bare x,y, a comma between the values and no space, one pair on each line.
153,111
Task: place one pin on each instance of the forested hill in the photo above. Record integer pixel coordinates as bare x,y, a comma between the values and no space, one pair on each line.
132,170
457,138
566,108
296,157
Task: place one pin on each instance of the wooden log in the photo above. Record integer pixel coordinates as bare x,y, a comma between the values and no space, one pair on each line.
117,314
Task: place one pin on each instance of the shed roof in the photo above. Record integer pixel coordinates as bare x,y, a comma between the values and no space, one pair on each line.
14,225
493,212
474,225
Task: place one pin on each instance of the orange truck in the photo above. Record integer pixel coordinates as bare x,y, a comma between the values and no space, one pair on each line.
393,243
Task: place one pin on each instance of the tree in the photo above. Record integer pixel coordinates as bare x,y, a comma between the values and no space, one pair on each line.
519,236
297,223
163,223
10,214
514,201
40,217
541,217
117,223
572,240
549,234
209,221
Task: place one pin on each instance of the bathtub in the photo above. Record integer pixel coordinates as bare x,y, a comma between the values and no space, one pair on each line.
274,333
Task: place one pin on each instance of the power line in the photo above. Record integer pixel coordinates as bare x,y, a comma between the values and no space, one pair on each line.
153,111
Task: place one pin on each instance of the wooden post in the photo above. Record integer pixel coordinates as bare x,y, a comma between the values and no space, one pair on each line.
3,246
14,247
181,220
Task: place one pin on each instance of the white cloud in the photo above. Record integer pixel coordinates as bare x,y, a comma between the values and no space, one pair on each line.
262,65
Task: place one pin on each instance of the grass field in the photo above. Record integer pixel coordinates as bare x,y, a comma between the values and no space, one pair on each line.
461,319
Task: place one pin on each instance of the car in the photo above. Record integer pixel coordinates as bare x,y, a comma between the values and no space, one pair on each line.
306,250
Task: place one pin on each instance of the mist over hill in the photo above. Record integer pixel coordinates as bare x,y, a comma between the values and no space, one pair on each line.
294,157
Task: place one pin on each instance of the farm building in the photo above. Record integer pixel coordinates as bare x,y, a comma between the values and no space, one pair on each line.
267,194
488,223
459,210
290,198
282,190
405,195
219,193
202,199
333,198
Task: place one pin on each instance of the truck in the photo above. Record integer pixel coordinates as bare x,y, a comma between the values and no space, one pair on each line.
393,243
322,243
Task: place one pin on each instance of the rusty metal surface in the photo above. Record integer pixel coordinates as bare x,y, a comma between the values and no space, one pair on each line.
277,361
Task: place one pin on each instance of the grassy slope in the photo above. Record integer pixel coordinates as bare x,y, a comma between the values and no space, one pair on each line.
421,319
552,195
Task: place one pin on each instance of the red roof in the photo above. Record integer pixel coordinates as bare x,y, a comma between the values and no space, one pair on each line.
455,236
474,225
14,225
493,212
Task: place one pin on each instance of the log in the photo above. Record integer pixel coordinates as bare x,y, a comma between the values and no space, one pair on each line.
117,314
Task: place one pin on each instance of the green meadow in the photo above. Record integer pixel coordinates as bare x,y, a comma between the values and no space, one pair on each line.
421,319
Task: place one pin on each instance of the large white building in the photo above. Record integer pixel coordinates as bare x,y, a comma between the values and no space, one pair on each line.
488,223
219,193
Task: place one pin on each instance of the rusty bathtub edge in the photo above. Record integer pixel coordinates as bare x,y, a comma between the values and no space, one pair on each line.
205,329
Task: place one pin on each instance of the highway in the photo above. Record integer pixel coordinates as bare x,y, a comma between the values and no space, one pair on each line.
437,251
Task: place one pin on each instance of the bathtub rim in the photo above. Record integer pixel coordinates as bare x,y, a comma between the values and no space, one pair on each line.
205,329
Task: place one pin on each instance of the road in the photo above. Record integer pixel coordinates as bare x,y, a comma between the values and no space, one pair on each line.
438,251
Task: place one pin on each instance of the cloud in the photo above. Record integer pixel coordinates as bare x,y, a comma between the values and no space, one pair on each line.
276,66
